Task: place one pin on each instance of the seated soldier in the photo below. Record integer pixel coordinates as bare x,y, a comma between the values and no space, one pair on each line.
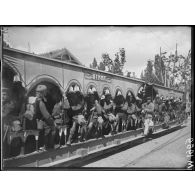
138,113
156,109
93,114
148,109
120,111
162,109
76,102
173,104
170,109
131,112
166,113
29,121
107,108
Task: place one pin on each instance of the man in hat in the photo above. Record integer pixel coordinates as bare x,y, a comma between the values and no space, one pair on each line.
44,118
148,109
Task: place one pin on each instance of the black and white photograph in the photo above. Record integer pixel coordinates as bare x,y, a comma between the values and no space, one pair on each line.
96,98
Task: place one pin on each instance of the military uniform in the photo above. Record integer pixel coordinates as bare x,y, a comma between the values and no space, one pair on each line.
45,122
108,116
148,109
131,112
94,114
120,111
132,118
156,109
76,102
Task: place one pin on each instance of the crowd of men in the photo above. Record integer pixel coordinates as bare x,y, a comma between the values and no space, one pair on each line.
76,117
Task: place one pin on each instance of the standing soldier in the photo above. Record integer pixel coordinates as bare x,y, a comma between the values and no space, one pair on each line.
148,109
57,115
45,122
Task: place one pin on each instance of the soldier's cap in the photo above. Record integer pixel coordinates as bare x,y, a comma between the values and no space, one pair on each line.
41,88
157,96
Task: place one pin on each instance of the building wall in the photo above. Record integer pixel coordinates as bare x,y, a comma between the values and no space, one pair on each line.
33,68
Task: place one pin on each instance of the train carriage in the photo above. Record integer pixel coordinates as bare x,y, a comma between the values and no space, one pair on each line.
58,75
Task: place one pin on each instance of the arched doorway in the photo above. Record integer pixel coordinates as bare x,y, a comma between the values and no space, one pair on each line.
12,88
54,93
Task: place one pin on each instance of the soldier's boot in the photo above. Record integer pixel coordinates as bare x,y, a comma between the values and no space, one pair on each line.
101,131
88,131
83,133
72,132
113,128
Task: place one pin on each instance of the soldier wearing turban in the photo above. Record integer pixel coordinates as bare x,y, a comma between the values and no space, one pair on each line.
120,111
94,114
76,113
131,111
107,106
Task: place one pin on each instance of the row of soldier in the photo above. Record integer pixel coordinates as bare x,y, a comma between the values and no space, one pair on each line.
94,116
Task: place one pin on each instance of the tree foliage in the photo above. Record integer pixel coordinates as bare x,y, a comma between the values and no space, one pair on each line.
94,64
101,67
111,65
172,70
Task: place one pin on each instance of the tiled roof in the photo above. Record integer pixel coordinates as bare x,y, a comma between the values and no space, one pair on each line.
62,54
